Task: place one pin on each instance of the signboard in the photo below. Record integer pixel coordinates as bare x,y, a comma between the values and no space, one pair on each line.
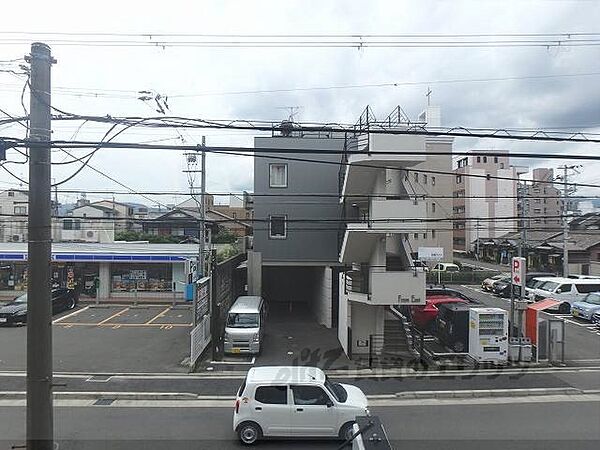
518,271
201,304
137,274
199,339
431,253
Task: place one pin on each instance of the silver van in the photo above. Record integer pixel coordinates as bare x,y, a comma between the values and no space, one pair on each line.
244,326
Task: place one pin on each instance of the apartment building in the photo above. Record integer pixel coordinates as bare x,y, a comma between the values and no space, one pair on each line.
296,220
13,215
485,198
540,205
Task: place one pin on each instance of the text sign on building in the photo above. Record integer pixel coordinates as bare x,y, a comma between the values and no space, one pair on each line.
518,271
431,253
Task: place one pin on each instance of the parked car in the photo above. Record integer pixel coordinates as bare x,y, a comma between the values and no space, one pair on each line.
596,319
445,267
420,265
295,401
583,277
503,289
15,313
565,290
586,308
245,325
423,316
488,283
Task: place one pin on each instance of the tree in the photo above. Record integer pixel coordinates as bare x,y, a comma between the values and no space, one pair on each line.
140,236
224,237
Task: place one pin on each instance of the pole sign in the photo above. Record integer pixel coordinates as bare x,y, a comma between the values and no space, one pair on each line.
431,253
518,271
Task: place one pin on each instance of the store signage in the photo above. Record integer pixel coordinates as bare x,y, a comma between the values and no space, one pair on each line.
431,253
518,271
138,275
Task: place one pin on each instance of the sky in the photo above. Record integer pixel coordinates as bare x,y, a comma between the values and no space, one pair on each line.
199,81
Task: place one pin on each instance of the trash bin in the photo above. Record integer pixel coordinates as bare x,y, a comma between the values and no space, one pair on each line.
514,349
526,349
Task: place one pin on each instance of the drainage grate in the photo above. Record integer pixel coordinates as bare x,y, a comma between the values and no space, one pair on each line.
104,402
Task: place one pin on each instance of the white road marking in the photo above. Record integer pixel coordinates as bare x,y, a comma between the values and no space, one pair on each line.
70,315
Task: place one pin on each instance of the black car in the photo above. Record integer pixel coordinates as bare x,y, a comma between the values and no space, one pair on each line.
16,312
502,288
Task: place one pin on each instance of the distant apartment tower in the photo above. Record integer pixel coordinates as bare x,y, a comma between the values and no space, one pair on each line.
541,204
485,199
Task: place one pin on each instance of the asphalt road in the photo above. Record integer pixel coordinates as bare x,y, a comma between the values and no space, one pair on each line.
519,425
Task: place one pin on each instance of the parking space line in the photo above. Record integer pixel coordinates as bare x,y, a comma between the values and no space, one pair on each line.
69,315
113,316
160,314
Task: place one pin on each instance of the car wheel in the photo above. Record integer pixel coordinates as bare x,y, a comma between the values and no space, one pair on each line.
564,308
72,303
346,431
249,433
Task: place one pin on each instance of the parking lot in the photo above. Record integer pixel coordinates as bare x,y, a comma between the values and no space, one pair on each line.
110,339
582,337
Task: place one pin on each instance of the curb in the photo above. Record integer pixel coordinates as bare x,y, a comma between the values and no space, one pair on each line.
19,395
487,393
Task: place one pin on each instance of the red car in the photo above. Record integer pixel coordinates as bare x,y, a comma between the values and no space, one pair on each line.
424,316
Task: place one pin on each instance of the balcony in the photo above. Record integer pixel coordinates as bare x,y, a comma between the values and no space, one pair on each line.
377,286
376,219
373,149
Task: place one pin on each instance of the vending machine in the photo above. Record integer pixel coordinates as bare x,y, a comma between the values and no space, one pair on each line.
488,335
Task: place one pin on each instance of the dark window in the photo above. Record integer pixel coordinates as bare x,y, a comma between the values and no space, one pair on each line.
271,395
11,194
424,179
587,288
496,159
485,159
242,388
479,159
278,175
277,227
433,233
433,181
67,224
309,395
564,288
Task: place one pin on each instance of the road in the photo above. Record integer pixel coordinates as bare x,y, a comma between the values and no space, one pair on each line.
492,424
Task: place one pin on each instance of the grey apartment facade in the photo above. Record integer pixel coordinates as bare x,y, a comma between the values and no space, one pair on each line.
296,221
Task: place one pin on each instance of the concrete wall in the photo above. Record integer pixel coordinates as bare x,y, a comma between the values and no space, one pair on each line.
303,243
343,315
322,301
366,320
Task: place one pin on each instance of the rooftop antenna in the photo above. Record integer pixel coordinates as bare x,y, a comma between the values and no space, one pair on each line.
293,111
428,95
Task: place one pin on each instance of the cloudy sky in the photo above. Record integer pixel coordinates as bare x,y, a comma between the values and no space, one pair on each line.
200,81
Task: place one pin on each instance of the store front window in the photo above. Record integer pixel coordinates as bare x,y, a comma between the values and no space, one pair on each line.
13,277
143,277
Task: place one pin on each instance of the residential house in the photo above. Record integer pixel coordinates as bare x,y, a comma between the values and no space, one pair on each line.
86,222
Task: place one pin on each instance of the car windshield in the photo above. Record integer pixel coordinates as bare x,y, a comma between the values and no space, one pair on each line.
337,390
594,299
21,299
242,320
549,285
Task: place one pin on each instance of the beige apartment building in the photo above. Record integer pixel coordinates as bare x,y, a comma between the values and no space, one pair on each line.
541,204
483,205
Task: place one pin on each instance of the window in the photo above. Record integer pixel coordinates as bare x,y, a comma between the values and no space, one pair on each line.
479,159
425,235
416,235
153,277
406,176
67,224
234,215
485,159
496,159
11,194
310,395
278,177
271,395
433,181
537,210
247,214
433,207
278,227
587,288
502,165
424,179
458,179
433,233
537,200
416,175
22,210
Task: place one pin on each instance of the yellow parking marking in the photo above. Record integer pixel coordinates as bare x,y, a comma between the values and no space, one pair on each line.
69,315
160,314
113,316
166,327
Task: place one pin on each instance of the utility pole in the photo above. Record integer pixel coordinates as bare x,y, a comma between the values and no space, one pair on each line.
202,255
565,210
40,427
